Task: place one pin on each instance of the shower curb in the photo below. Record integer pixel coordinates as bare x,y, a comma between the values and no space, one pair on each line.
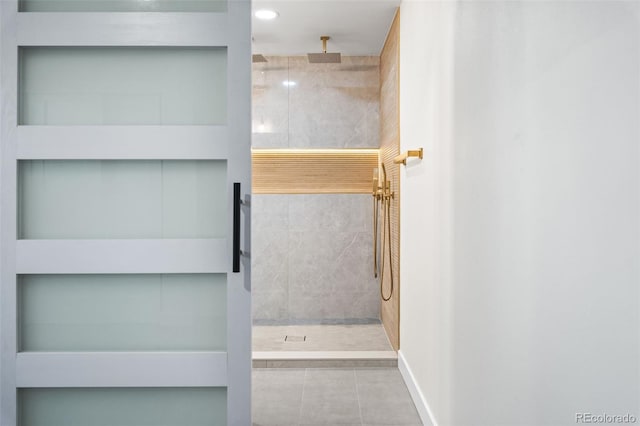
324,359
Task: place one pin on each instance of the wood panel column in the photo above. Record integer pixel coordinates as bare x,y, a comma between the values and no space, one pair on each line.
390,148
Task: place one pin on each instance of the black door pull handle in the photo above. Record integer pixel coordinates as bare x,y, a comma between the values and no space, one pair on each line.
236,226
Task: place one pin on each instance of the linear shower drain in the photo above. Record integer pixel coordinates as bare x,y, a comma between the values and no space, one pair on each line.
288,338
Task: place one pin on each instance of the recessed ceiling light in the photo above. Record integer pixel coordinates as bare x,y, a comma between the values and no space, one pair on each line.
289,83
266,14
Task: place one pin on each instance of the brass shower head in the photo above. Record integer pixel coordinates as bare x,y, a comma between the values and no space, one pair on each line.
324,57
257,58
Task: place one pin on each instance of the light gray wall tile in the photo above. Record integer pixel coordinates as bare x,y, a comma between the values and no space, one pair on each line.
335,212
330,106
271,306
313,259
274,211
270,103
312,254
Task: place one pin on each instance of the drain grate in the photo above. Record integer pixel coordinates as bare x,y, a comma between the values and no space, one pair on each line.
289,338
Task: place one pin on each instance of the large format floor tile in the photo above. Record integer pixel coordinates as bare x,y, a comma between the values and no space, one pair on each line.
384,398
337,397
329,397
277,396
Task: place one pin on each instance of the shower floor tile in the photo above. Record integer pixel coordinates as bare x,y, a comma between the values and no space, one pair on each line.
356,337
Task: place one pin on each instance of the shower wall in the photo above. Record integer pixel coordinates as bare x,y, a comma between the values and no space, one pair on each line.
313,258
302,105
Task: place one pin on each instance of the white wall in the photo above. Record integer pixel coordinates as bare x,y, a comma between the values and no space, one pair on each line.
426,211
521,228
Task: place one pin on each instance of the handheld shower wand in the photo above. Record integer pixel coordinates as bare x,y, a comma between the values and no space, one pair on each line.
376,201
382,195
387,195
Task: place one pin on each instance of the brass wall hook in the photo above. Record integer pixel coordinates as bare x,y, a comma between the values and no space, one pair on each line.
402,159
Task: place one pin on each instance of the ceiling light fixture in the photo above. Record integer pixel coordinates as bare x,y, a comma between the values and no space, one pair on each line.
289,83
266,14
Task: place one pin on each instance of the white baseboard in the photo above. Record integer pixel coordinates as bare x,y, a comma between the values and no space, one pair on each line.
426,415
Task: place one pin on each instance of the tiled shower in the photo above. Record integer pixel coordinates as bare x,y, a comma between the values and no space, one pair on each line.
314,256
316,259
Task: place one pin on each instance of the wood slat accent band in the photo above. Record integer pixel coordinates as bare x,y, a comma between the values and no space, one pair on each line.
305,171
389,149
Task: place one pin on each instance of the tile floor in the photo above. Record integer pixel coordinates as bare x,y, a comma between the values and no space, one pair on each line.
356,337
337,397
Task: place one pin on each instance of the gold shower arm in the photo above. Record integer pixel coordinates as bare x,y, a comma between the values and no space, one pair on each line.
324,43
411,153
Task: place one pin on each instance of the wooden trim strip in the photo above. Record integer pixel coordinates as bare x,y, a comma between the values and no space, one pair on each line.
305,171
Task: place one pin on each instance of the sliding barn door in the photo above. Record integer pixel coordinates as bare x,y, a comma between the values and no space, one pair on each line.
125,160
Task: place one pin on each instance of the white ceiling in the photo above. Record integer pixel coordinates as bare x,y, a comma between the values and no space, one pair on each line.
356,27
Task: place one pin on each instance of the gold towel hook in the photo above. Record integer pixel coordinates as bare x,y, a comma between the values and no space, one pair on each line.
402,159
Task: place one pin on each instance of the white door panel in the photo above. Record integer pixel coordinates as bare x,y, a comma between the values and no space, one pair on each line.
126,29
122,138
123,142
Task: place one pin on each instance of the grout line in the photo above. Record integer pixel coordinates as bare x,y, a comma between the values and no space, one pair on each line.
355,376
304,384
